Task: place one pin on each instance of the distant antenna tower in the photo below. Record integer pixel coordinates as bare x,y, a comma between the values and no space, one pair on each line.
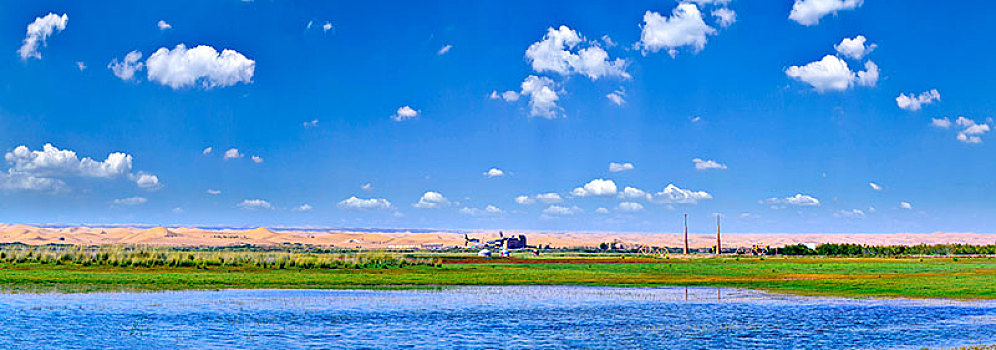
719,249
686,234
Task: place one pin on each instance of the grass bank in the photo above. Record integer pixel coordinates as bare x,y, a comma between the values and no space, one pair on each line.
854,277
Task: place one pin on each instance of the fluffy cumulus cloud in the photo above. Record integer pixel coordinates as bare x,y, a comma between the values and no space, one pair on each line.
38,33
233,153
633,193
508,96
905,205
914,102
130,201
854,48
126,68
489,210
701,164
969,131
431,200
596,187
364,203
202,65
543,97
618,167
494,172
676,195
565,51
875,186
724,16
809,12
832,74
630,207
556,210
685,27
304,207
49,168
257,159
545,198
163,25
404,113
798,200
255,204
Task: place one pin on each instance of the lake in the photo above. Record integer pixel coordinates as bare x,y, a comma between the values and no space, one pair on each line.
548,317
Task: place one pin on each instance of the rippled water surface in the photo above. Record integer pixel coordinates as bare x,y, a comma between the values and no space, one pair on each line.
487,317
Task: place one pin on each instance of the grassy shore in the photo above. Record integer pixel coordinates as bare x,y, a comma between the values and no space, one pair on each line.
959,278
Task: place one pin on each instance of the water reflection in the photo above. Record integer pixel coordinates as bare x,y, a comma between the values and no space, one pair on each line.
488,317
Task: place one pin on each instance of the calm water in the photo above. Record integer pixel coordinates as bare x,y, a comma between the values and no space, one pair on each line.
486,317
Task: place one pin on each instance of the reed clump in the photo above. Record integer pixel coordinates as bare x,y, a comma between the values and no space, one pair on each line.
151,256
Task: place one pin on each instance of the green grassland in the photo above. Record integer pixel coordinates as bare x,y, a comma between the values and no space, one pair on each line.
958,278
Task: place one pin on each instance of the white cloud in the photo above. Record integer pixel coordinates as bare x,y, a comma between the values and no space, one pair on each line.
556,210
618,97
177,210
163,25
830,73
446,48
695,119
213,192
869,76
799,200
608,41
905,205
561,52
914,102
596,187
146,181
508,96
524,200
364,203
675,195
542,97
304,207
404,113
685,27
126,68
490,210
630,207
431,200
494,172
207,150
633,193
366,187
601,210
875,186
310,23
81,65
131,201
971,131
707,164
327,26
312,124
255,204
180,68
724,16
854,48
257,159
39,31
46,170
942,123
809,12
850,214
233,153
618,167
545,198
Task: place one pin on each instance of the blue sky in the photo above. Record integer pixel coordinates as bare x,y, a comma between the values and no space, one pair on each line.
418,101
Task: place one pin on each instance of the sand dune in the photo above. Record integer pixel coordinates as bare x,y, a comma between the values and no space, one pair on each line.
187,236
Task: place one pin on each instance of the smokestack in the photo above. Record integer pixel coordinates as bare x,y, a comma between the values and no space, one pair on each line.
719,249
686,234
